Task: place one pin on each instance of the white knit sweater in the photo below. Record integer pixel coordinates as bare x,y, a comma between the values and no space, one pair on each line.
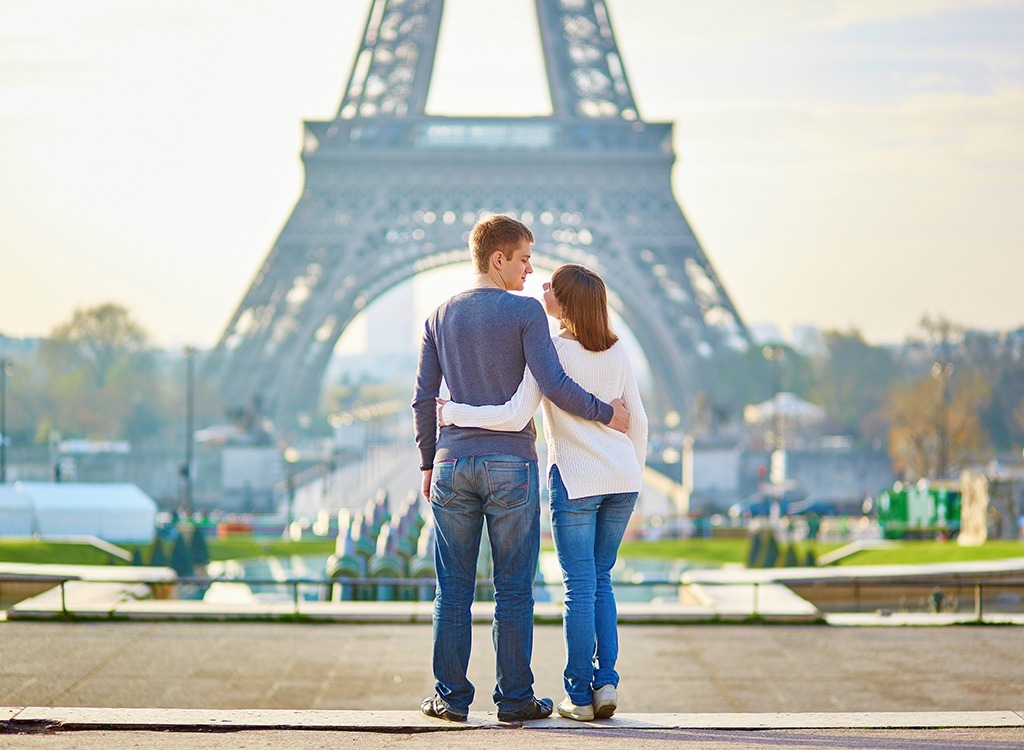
592,459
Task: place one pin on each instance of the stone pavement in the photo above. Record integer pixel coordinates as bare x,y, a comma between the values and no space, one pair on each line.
498,739
341,685
42,719
303,730
664,668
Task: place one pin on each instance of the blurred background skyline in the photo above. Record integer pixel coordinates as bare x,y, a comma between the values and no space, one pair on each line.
844,164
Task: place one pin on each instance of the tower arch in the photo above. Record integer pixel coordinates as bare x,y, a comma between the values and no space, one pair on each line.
390,192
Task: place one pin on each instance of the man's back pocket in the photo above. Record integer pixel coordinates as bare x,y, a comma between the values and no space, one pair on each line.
508,482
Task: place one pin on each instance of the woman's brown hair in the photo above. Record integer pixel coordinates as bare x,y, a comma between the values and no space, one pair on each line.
584,302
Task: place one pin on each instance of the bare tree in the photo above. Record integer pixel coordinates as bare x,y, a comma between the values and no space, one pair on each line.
934,422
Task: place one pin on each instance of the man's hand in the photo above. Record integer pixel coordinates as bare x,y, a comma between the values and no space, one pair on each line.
620,419
428,474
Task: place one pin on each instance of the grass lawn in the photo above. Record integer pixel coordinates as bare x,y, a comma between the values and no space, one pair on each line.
233,549
61,553
55,553
928,551
724,550
717,551
31,551
713,551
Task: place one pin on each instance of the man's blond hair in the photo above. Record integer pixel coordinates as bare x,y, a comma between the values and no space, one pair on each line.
494,234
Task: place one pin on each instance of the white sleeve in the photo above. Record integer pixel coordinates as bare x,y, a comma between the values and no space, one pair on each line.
512,416
637,431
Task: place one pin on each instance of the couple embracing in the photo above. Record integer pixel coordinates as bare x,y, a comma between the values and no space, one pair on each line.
495,353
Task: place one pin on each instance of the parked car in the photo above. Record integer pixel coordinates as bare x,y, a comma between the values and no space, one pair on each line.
761,505
810,505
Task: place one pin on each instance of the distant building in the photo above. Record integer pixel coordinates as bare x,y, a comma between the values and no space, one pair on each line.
24,348
807,340
236,471
711,472
766,333
804,338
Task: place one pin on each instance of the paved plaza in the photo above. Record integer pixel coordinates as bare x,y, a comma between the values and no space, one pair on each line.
592,738
717,672
664,669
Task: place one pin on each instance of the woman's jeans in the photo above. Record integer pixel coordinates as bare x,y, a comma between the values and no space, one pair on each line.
503,492
587,532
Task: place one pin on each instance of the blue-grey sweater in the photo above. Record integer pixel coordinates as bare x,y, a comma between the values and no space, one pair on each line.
480,341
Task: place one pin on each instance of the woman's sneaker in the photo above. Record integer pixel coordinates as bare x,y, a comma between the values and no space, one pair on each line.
606,700
570,710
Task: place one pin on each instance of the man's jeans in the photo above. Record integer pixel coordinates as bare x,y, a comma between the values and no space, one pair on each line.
587,532
503,491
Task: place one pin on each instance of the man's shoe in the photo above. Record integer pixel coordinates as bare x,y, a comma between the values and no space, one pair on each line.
537,708
438,709
606,700
570,710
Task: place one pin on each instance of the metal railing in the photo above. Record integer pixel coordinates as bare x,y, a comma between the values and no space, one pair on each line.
948,589
293,584
941,594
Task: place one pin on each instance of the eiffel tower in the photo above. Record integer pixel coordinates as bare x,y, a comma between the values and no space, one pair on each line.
391,192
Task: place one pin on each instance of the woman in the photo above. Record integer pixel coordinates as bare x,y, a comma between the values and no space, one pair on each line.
594,478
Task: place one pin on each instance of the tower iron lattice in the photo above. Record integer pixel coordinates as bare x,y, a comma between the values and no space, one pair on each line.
391,192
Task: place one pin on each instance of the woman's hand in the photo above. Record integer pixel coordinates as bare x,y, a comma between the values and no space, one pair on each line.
440,416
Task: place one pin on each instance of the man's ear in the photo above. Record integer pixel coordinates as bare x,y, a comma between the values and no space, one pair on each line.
497,259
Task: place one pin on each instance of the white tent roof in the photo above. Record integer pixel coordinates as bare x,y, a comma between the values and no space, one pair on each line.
74,495
11,499
788,406
17,513
115,512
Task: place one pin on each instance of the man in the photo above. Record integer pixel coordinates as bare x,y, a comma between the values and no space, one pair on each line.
480,341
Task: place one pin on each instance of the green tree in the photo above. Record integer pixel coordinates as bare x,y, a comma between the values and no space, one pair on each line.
98,339
853,379
181,557
197,546
737,379
157,555
732,379
795,372
1000,357
101,379
24,396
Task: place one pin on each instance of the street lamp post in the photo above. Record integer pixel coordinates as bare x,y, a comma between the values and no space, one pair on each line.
186,472
944,370
777,475
774,354
291,457
6,368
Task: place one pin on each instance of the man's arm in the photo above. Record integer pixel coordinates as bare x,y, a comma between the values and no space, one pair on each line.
562,390
428,386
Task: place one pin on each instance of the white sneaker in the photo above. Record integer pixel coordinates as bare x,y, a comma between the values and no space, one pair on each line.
606,700
570,710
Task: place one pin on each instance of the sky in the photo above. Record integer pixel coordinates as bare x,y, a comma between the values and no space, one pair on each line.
845,163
